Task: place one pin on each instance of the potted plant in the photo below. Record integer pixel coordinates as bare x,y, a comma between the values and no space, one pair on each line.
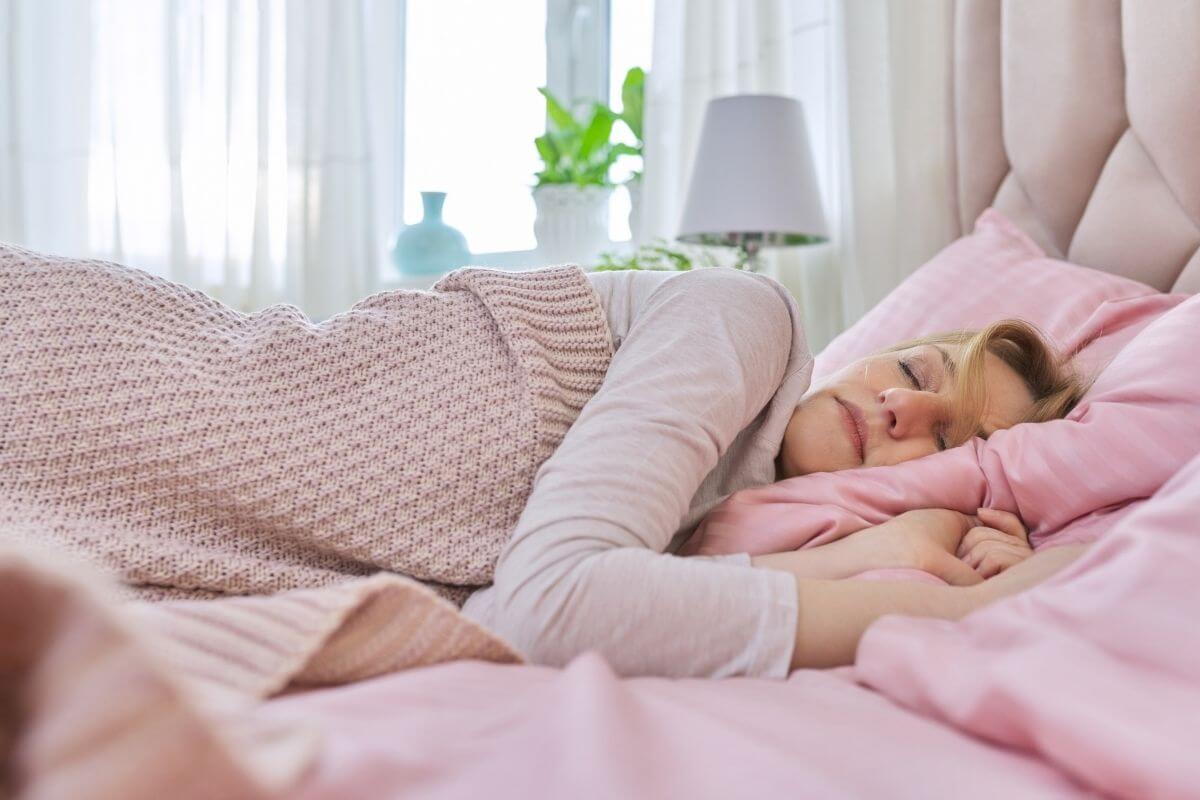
573,188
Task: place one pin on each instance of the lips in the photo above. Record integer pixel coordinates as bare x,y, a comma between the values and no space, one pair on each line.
856,427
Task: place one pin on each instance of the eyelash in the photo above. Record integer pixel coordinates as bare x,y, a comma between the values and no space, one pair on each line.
912,378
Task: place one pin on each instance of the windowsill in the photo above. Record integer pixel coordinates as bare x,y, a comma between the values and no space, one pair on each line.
512,260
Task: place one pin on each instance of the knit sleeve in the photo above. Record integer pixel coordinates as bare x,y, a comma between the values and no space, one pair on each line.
585,568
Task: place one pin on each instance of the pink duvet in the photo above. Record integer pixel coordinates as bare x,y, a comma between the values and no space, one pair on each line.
1097,670
1087,684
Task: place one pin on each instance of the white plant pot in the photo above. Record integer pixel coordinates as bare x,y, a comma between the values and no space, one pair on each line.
635,211
572,223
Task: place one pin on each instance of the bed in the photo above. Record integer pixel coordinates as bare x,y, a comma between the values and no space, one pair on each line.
1080,122
1076,139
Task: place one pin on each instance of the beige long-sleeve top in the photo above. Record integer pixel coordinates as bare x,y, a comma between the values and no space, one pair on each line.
709,366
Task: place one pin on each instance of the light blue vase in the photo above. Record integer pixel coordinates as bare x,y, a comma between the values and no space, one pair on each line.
431,246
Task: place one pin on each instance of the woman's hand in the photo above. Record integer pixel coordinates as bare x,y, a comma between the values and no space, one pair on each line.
1000,542
833,614
924,539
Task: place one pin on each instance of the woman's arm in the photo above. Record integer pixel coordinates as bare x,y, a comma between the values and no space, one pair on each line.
585,567
833,615
925,539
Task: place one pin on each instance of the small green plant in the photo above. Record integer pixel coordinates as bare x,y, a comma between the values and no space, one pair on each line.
575,148
658,255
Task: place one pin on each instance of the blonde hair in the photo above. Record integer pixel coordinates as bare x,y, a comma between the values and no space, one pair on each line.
1056,387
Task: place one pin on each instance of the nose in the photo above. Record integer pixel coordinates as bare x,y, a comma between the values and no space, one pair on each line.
908,412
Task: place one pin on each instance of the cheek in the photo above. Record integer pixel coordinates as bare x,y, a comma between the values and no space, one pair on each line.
813,444
893,452
869,374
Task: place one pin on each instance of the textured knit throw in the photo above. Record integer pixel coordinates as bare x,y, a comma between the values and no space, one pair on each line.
247,471
194,450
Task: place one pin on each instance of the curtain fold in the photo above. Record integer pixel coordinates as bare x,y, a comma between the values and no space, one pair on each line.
891,99
225,144
44,49
877,118
328,152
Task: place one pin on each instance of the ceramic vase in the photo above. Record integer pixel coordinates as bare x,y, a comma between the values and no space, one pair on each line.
572,223
430,247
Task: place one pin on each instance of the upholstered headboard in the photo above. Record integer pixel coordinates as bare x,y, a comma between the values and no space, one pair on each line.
1080,120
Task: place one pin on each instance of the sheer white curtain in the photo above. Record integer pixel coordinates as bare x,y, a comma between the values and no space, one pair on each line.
890,105
877,118
224,144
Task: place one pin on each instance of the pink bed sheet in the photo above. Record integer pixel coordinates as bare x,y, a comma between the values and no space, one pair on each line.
480,730
1089,683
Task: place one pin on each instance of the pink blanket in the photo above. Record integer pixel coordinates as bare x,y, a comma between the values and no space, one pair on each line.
1088,684
1098,669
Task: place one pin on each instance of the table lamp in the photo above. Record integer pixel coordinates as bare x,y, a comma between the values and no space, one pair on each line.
753,184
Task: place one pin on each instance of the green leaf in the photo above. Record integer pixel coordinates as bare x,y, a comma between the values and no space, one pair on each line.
576,147
547,150
557,112
633,100
599,128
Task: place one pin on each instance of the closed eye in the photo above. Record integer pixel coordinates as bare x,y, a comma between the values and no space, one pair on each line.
908,372
939,439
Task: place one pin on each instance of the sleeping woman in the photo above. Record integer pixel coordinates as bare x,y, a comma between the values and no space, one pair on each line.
545,442
707,393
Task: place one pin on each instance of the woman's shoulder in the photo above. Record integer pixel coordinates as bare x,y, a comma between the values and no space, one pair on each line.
756,315
755,304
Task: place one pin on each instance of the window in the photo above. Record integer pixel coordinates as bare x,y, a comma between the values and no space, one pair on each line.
632,22
270,151
471,113
471,109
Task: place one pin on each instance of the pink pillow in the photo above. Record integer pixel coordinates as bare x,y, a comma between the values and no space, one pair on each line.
994,273
1139,423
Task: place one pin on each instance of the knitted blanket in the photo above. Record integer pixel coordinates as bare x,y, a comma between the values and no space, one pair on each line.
250,471
194,450
138,700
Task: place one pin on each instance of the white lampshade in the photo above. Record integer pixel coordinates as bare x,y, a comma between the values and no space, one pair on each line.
753,179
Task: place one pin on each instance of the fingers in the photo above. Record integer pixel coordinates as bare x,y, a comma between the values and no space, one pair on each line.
953,571
991,558
992,564
977,536
1032,571
983,549
1004,521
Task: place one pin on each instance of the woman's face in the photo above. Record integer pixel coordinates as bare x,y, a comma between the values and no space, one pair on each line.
892,407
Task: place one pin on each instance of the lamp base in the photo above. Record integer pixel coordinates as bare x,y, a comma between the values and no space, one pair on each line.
749,260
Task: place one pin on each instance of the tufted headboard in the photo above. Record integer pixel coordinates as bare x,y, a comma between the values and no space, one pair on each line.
1080,120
